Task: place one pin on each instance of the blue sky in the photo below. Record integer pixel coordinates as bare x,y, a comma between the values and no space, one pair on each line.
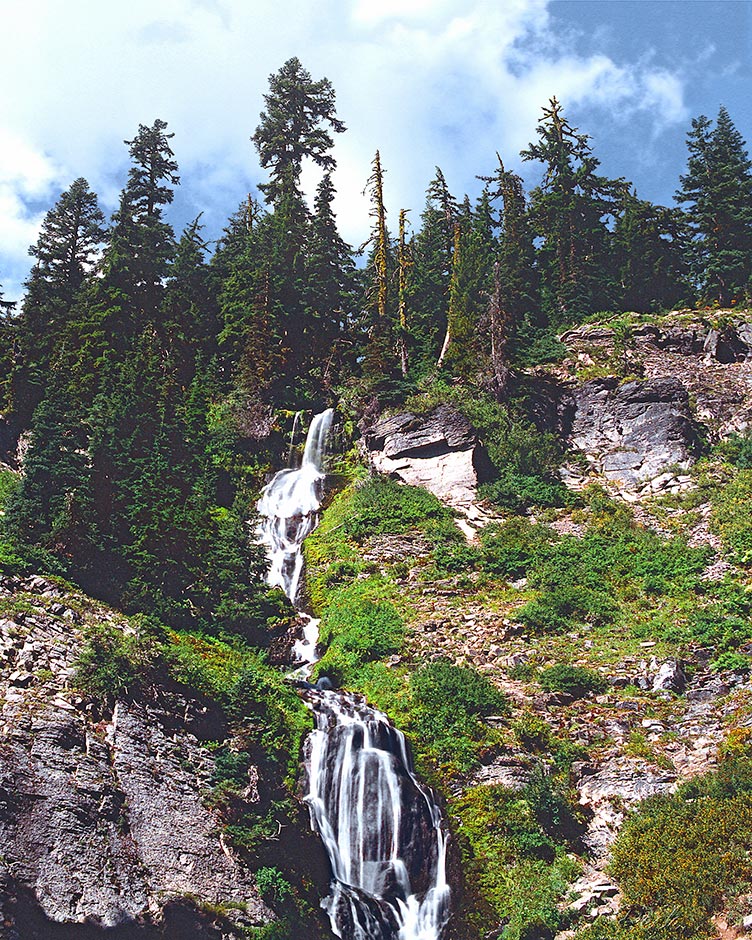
428,82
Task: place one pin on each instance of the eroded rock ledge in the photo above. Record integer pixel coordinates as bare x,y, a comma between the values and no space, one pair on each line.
439,451
103,819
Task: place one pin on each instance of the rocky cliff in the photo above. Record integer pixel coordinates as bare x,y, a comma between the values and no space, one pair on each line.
104,820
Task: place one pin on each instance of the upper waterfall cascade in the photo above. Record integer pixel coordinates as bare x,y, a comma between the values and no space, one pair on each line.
381,828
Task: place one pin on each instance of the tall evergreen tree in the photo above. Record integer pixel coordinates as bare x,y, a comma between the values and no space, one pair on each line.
70,238
717,193
329,288
8,349
431,273
189,323
297,124
569,211
649,251
127,296
380,354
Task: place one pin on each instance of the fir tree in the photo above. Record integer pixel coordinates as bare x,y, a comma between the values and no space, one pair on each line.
569,211
329,287
430,276
126,298
71,235
296,124
379,359
717,193
649,250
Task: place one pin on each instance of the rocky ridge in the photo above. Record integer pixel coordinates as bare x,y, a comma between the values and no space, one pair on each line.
103,816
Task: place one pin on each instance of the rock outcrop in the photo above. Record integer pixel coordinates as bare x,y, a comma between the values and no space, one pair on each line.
633,432
439,451
103,819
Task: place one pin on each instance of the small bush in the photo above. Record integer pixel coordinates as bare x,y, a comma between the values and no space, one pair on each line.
442,684
514,859
272,886
359,624
382,506
115,661
731,518
573,680
510,548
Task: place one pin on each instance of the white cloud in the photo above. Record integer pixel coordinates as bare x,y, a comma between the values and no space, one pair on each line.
426,81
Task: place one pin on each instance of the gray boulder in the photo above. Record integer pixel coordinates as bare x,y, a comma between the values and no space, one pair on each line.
632,433
439,451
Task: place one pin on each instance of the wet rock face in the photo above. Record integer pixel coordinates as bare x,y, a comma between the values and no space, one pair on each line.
103,822
631,433
439,451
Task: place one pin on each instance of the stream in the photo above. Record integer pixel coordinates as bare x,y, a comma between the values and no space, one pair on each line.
382,829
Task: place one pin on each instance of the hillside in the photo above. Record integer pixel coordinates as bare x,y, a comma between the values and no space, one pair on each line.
574,675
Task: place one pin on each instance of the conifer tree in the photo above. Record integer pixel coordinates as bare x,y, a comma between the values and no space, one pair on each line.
569,212
8,350
127,297
297,124
71,235
189,324
380,360
649,249
717,193
430,276
329,288
403,263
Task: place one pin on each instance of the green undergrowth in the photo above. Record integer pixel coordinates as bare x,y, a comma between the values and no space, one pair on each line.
441,707
516,850
680,859
127,659
619,578
363,611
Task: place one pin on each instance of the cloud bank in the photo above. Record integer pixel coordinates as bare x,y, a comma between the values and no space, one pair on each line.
426,81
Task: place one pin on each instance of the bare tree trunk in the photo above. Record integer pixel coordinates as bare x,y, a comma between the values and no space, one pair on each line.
403,263
500,321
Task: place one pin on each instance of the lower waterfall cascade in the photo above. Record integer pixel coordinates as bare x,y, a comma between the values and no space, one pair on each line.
382,829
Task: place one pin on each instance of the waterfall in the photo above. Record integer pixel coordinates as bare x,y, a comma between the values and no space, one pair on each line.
289,508
381,828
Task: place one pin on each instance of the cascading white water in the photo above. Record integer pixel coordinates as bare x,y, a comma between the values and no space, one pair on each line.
381,828
289,506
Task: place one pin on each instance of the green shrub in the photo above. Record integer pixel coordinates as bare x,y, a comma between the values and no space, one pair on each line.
736,449
731,518
510,548
10,483
566,606
678,859
517,492
573,680
272,886
729,660
114,662
359,624
381,506
513,858
442,684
